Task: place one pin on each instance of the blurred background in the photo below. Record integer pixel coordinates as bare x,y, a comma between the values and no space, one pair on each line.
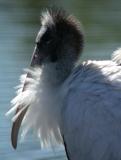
19,23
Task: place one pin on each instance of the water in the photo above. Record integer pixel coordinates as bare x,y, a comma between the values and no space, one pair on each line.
19,23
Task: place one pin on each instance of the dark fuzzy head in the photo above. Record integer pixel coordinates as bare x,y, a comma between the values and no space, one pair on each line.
59,36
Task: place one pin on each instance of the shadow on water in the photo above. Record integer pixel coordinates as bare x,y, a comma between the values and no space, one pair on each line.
19,25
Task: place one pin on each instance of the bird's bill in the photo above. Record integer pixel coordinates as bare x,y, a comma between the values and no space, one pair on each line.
17,123
16,126
37,58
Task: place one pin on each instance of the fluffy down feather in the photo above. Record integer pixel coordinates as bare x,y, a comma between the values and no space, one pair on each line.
44,109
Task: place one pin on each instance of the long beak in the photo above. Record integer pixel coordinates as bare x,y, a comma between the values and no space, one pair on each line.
17,123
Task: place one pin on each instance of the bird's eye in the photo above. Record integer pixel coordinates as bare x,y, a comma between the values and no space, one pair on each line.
48,41
47,38
37,43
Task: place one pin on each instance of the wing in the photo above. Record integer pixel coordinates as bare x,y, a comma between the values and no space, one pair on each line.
91,116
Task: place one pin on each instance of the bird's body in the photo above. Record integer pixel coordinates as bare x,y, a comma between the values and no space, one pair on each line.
91,116
79,103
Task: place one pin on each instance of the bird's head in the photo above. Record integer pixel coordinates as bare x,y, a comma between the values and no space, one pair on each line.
59,41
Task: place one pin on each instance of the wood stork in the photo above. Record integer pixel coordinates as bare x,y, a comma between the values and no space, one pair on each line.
64,100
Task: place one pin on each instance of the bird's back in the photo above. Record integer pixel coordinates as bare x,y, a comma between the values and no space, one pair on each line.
92,111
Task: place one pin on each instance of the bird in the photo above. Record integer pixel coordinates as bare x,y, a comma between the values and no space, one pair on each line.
67,101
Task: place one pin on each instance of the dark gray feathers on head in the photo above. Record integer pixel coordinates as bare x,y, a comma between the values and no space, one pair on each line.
67,27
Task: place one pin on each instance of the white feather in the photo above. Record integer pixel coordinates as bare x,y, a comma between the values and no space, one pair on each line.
116,57
43,112
86,108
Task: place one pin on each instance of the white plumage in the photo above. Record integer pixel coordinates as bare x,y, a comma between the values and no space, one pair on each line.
92,112
44,108
88,104
81,107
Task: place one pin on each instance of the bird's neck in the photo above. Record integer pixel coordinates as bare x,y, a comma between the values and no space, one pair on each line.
55,74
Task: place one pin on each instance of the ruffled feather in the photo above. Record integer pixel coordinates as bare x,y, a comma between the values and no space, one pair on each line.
43,108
